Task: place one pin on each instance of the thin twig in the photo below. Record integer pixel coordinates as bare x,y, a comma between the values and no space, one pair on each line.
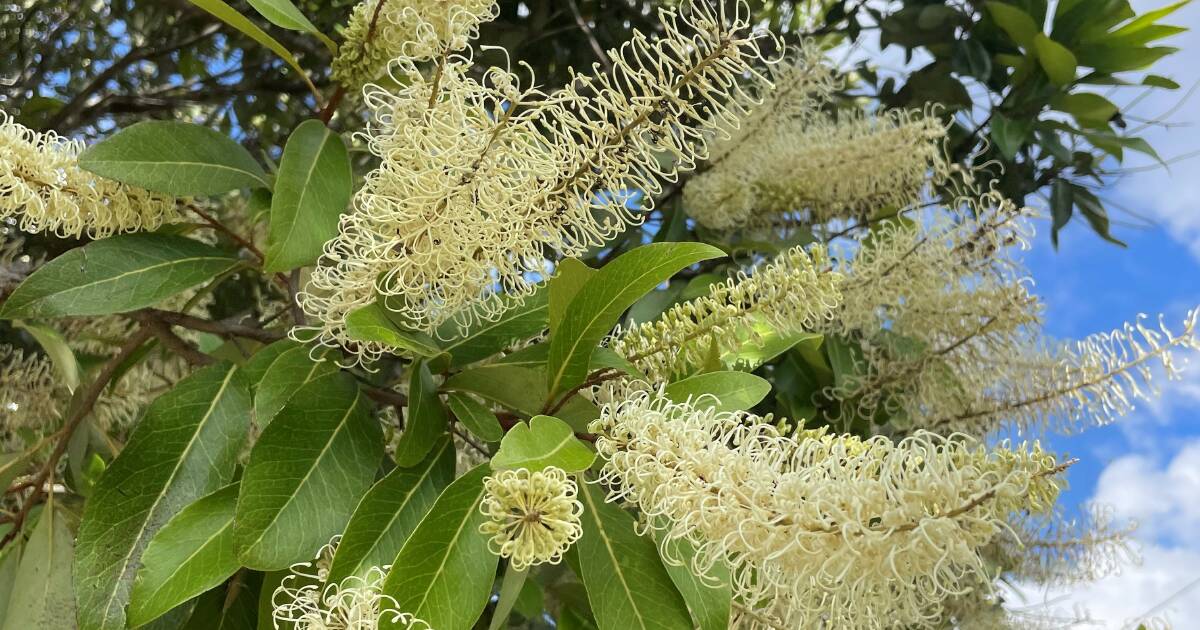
223,329
595,378
591,37
173,342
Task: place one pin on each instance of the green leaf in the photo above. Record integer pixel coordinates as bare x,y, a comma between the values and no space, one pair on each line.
284,14
734,391
478,419
233,606
1153,80
1111,59
57,349
545,441
510,589
113,275
520,320
389,513
191,554
521,389
10,561
287,374
1062,201
371,323
424,420
597,306
1086,107
569,278
41,597
445,571
230,16
708,599
1093,210
256,368
627,585
306,474
1017,23
185,447
1058,62
174,158
311,192
1009,134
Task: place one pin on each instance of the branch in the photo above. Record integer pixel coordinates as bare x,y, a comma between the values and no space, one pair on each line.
221,328
171,341
86,401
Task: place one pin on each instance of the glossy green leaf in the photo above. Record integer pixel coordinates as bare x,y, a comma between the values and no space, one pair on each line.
227,14
568,279
545,441
1122,58
114,275
175,158
55,346
1086,106
371,323
286,375
627,585
522,389
597,306
478,419
191,554
1017,23
1153,80
445,571
185,447
41,597
256,368
1058,61
709,600
424,420
519,320
284,14
510,589
734,391
306,473
312,190
390,512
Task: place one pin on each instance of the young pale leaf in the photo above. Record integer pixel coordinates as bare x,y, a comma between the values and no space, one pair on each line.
519,320
545,441
290,371
424,421
306,474
521,389
311,192
567,281
185,447
708,600
1017,23
371,323
389,513
41,597
627,585
445,571
598,305
1058,62
478,419
191,554
284,14
174,158
229,15
734,391
114,275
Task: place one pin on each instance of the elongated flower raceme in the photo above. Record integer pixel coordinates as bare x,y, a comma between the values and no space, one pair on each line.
481,180
1053,550
305,600
818,529
792,293
382,30
533,516
28,388
43,189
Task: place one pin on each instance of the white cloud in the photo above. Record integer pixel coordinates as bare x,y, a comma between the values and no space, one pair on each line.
1165,498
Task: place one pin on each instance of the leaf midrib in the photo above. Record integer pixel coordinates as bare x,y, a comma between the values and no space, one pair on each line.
612,556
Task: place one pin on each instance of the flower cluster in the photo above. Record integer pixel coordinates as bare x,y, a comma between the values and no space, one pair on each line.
481,180
29,391
857,533
382,30
533,516
304,601
792,293
43,189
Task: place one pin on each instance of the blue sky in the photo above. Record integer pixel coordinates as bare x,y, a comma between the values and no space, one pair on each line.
1147,466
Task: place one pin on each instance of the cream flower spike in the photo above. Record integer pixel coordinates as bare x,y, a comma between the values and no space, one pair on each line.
818,529
792,293
481,180
533,517
304,601
43,189
379,31
28,388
